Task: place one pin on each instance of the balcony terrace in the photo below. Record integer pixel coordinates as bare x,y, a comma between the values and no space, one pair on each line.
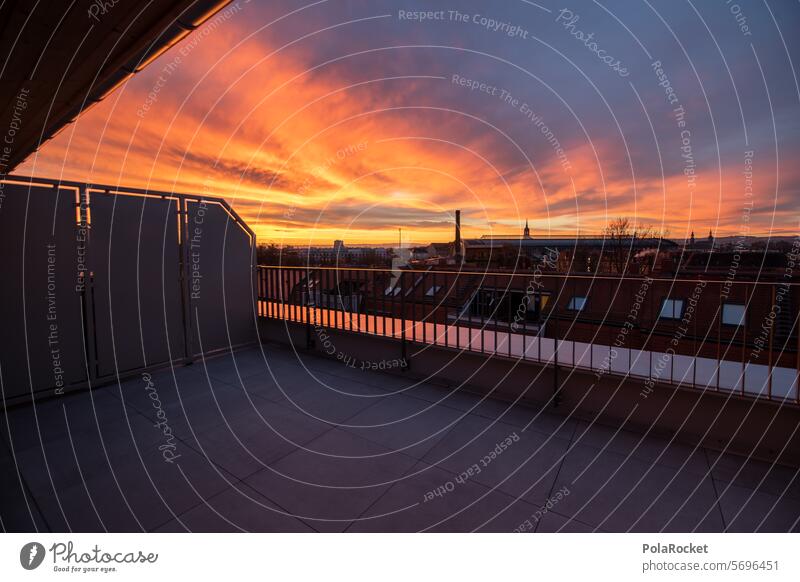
265,399
266,440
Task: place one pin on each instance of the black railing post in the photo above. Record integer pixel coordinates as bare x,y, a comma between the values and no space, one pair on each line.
556,387
309,306
403,348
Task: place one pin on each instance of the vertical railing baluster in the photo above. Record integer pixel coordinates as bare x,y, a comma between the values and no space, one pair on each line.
540,332
494,315
719,339
402,315
354,298
769,354
383,298
308,309
374,303
796,326
425,311
511,308
748,302
524,355
554,316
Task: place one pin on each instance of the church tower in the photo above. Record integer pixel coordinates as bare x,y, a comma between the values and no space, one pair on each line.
527,232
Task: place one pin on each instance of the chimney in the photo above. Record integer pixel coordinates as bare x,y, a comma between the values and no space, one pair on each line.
457,250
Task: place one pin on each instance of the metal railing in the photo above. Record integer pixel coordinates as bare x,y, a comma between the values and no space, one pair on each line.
727,336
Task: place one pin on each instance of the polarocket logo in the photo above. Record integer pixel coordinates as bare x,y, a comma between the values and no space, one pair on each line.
31,555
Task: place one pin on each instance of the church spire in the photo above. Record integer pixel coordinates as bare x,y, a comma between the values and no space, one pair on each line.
527,232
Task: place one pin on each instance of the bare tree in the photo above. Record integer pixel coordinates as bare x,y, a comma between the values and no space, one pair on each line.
622,236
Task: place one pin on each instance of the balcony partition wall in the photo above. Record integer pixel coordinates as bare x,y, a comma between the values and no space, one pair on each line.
100,282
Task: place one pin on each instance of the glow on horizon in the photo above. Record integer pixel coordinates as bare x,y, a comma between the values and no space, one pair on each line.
307,157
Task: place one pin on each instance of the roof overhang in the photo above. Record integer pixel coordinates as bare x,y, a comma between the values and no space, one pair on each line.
60,60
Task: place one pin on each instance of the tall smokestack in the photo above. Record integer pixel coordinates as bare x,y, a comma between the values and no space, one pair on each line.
457,250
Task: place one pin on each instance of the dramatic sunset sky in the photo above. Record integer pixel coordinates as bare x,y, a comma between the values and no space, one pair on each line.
343,119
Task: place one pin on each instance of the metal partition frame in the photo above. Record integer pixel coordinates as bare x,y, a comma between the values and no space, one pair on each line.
83,227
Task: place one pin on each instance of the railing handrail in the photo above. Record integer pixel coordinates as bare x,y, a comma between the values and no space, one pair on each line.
125,190
606,277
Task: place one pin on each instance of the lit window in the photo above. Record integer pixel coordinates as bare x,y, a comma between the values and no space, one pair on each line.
576,303
433,290
733,314
671,309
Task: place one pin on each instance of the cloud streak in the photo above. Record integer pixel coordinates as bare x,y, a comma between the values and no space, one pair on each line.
340,118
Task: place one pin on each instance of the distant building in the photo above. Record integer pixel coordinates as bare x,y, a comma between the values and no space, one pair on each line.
608,254
706,244
576,254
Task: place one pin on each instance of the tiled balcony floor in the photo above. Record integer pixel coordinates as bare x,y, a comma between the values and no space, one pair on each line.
309,444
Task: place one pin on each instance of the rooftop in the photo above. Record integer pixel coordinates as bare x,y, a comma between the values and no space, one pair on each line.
266,439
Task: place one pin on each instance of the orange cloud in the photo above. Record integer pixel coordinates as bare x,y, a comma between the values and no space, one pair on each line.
309,156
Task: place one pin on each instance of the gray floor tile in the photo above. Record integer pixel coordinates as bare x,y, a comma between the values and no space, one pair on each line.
331,489
406,424
134,493
234,510
746,510
650,448
255,439
357,465
754,474
411,505
326,404
619,493
232,368
526,466
554,522
19,511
